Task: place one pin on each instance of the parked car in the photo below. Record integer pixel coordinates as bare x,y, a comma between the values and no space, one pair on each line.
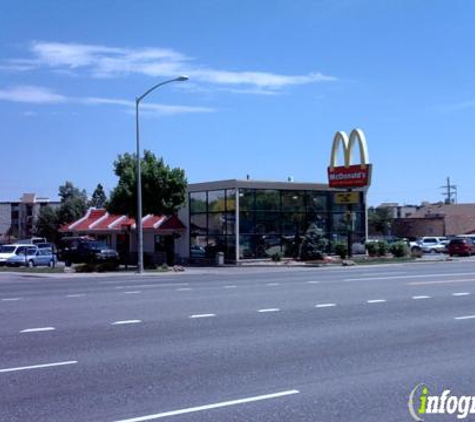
432,244
32,256
82,249
461,246
30,241
9,251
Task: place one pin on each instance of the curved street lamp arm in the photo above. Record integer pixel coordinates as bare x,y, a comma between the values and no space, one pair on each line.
179,79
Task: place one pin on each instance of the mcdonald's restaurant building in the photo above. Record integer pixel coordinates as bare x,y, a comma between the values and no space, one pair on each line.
249,219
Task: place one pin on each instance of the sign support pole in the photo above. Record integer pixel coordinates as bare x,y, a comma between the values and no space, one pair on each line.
349,227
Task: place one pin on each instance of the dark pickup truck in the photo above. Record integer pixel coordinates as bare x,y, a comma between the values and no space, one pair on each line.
80,249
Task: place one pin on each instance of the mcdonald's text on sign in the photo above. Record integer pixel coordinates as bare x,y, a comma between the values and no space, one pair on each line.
349,175
354,176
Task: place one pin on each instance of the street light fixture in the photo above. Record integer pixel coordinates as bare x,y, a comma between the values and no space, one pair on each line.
139,170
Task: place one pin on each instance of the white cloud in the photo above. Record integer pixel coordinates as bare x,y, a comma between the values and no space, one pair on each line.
31,94
41,95
103,61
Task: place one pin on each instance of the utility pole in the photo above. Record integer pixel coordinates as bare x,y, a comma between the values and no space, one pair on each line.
450,192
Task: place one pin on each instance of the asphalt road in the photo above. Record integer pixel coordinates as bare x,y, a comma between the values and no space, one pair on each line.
243,344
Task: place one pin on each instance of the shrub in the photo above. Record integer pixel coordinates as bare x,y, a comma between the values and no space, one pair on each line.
314,244
399,249
341,249
96,267
276,257
383,248
372,248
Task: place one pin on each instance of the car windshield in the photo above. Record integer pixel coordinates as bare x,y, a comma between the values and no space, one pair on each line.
97,245
7,249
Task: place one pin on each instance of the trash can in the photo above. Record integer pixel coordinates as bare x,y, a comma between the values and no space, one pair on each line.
220,258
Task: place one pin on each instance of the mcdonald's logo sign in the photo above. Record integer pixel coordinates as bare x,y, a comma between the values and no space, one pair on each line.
349,175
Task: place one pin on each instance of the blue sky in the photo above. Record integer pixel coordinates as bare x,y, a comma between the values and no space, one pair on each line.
271,81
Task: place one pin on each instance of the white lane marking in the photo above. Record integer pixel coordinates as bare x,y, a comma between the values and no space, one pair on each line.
11,299
43,365
211,406
428,283
386,273
230,287
132,292
268,310
184,289
421,297
408,276
376,301
465,317
202,316
77,295
272,284
36,330
325,305
152,285
312,282
461,294
130,321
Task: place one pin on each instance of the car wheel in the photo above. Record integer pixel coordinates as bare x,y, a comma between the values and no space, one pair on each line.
31,264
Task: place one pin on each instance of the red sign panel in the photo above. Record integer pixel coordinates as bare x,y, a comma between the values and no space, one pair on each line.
355,176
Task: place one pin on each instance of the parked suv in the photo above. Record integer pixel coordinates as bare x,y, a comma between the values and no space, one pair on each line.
461,246
433,244
82,249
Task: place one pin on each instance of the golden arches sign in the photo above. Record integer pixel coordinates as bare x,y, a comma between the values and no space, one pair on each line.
349,175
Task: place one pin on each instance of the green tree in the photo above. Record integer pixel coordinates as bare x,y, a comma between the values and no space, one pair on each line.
380,220
47,224
99,198
314,244
163,188
73,203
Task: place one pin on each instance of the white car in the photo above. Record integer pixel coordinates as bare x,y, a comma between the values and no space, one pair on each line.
9,251
433,244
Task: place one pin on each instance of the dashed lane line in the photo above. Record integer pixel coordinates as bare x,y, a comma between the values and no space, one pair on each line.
43,365
195,316
37,330
126,322
134,292
211,406
325,305
376,301
421,297
262,311
461,294
465,317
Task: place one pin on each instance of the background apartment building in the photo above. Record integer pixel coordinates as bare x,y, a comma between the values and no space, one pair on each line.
18,219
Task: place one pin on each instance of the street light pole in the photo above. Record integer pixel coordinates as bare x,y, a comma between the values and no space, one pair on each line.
139,170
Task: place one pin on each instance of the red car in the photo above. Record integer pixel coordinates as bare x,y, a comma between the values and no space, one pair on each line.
461,246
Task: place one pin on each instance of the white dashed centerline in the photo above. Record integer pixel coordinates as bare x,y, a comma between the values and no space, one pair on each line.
230,287
37,330
211,406
262,311
376,301
77,295
312,282
272,284
43,365
11,299
130,321
195,316
461,294
325,305
184,289
420,297
132,292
